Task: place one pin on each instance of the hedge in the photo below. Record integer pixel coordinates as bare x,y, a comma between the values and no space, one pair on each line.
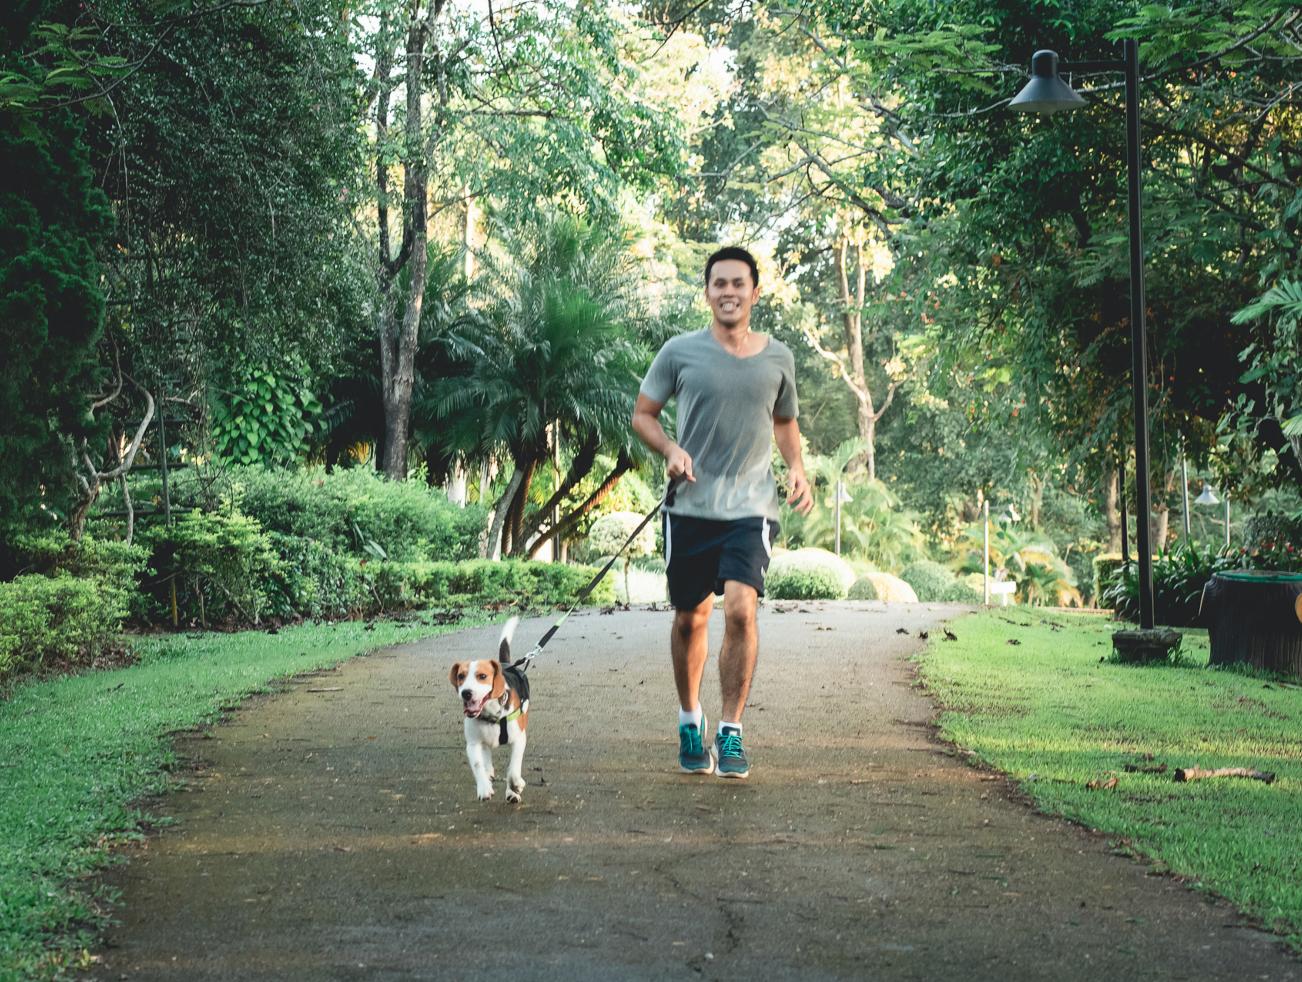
50,619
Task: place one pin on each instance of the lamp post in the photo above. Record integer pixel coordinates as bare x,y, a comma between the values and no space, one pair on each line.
1208,497
1046,93
842,497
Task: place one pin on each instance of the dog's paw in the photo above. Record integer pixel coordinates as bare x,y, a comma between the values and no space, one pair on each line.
485,795
512,796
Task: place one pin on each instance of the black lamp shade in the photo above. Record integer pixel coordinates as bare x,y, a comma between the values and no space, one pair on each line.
1045,93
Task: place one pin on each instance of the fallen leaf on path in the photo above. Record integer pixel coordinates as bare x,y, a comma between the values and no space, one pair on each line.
1102,785
1013,641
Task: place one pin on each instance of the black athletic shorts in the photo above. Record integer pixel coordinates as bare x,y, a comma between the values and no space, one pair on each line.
700,554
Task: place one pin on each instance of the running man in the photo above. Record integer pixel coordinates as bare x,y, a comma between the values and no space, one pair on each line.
734,388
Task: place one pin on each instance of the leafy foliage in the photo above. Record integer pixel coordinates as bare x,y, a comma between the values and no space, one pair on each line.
55,221
61,619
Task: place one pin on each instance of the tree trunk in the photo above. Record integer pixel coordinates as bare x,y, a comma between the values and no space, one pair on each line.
1112,509
1255,616
579,468
398,339
570,522
499,514
513,542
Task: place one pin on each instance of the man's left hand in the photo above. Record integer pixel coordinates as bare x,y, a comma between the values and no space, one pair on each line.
799,494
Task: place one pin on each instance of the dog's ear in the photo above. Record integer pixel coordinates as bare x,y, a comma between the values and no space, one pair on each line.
457,669
499,681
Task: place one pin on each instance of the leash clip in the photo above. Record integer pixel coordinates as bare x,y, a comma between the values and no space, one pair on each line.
524,663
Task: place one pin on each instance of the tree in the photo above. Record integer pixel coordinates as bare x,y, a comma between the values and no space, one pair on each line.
51,303
550,357
529,104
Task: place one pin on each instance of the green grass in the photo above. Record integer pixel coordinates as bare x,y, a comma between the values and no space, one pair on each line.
78,752
1051,714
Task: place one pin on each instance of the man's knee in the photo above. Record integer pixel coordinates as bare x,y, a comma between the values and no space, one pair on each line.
688,622
740,602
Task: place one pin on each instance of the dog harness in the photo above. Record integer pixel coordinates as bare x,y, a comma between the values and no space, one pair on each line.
517,682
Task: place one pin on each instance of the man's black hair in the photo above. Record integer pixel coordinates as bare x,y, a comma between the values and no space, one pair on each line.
733,252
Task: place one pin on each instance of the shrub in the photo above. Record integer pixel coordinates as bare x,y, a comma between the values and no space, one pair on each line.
44,619
929,580
359,511
402,586
862,589
960,592
1107,570
1178,581
222,564
808,574
55,552
351,510
312,580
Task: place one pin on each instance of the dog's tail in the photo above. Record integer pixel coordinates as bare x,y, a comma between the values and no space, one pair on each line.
504,646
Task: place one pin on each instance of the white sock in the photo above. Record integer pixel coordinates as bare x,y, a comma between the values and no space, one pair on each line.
734,726
692,718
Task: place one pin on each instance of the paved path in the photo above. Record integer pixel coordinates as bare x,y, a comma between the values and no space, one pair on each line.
335,835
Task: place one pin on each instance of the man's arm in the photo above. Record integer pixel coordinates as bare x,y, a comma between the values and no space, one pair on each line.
646,424
786,431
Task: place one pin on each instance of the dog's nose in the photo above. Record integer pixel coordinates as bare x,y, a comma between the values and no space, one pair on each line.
465,695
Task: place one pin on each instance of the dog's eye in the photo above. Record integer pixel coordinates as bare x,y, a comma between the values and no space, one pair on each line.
481,676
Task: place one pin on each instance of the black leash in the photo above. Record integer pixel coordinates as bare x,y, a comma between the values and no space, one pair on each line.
522,664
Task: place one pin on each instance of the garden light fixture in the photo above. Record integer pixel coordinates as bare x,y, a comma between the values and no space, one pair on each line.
1047,93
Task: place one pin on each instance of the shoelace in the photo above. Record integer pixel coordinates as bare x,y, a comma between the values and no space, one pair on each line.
730,745
692,736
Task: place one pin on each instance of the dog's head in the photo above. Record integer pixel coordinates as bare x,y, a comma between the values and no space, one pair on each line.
478,682
481,681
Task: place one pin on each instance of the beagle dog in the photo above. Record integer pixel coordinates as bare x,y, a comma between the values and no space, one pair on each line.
495,702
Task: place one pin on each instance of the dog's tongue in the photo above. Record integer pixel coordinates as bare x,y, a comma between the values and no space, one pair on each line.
473,709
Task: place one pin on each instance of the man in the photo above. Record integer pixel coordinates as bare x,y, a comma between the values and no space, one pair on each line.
734,388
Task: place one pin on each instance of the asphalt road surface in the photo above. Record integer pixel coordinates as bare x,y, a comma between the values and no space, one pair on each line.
331,832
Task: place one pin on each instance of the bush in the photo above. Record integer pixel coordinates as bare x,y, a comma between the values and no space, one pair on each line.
808,574
311,580
55,552
959,592
44,619
612,530
358,511
929,580
1178,581
222,564
352,511
862,589
1107,570
402,586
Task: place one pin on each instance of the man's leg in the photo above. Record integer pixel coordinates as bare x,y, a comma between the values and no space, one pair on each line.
687,645
740,647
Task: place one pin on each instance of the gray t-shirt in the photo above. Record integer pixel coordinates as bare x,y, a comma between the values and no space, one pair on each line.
725,416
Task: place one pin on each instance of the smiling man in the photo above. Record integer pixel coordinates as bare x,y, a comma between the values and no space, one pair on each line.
736,393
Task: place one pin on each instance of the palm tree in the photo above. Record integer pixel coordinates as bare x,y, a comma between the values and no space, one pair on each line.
549,353
874,525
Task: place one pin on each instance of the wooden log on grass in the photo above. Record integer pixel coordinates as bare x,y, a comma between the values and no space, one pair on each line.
1255,617
1199,773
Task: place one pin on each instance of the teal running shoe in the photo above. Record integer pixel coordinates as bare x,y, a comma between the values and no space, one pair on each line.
693,756
732,756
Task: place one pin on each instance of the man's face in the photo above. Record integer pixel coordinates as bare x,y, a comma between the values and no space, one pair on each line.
731,292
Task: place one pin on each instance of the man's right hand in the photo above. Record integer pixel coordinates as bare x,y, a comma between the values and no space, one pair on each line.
680,463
